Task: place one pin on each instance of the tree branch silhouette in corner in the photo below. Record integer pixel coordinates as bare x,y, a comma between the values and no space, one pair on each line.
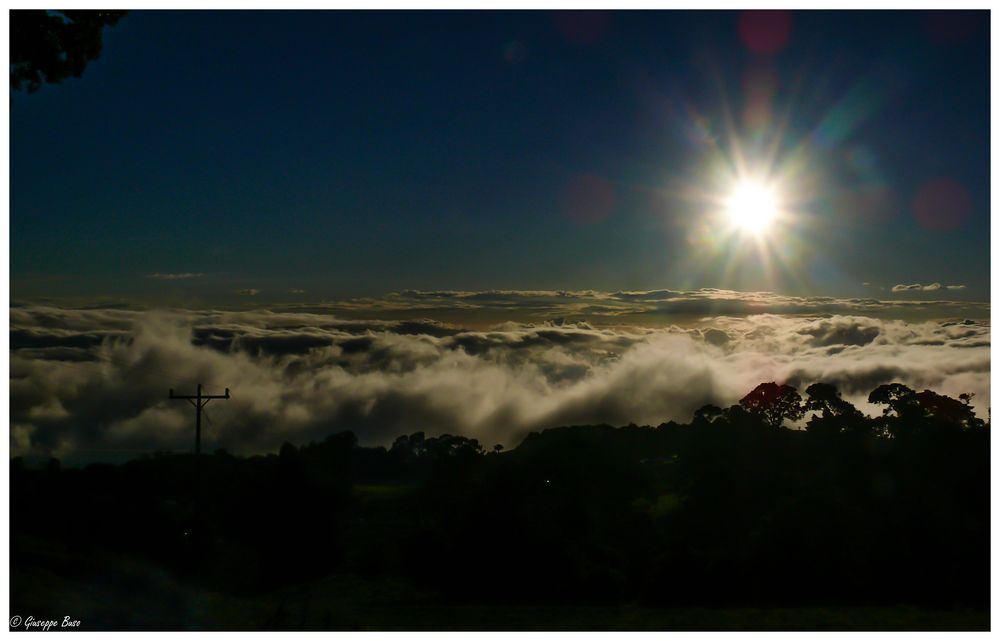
50,46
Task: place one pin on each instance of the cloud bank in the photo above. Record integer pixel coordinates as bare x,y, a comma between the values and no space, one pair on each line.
917,287
663,307
91,384
184,276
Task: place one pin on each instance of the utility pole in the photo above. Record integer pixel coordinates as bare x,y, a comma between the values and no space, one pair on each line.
199,401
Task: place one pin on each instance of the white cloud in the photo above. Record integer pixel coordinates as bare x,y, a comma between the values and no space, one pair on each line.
85,382
916,287
646,308
184,276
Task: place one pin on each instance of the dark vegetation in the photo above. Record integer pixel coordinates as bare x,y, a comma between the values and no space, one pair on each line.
731,511
51,46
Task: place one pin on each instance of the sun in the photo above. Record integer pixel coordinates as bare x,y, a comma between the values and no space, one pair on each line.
752,207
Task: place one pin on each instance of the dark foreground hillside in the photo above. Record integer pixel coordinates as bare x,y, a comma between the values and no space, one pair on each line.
730,522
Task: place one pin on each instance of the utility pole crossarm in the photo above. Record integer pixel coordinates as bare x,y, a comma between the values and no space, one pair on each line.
198,401
202,396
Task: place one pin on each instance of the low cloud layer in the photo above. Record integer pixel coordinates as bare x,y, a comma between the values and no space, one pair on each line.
184,276
91,384
651,308
917,287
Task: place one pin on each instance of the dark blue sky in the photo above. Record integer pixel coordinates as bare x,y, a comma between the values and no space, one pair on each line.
348,154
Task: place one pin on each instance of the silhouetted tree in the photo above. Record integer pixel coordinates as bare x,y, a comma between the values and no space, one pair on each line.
706,414
449,445
288,451
773,403
408,446
947,411
50,46
901,408
835,414
897,398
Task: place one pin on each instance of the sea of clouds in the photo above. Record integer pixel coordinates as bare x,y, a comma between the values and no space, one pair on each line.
92,384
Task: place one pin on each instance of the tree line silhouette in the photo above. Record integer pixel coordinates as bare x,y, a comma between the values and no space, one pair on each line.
734,508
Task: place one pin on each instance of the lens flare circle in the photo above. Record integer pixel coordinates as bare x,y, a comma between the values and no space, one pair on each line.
752,207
